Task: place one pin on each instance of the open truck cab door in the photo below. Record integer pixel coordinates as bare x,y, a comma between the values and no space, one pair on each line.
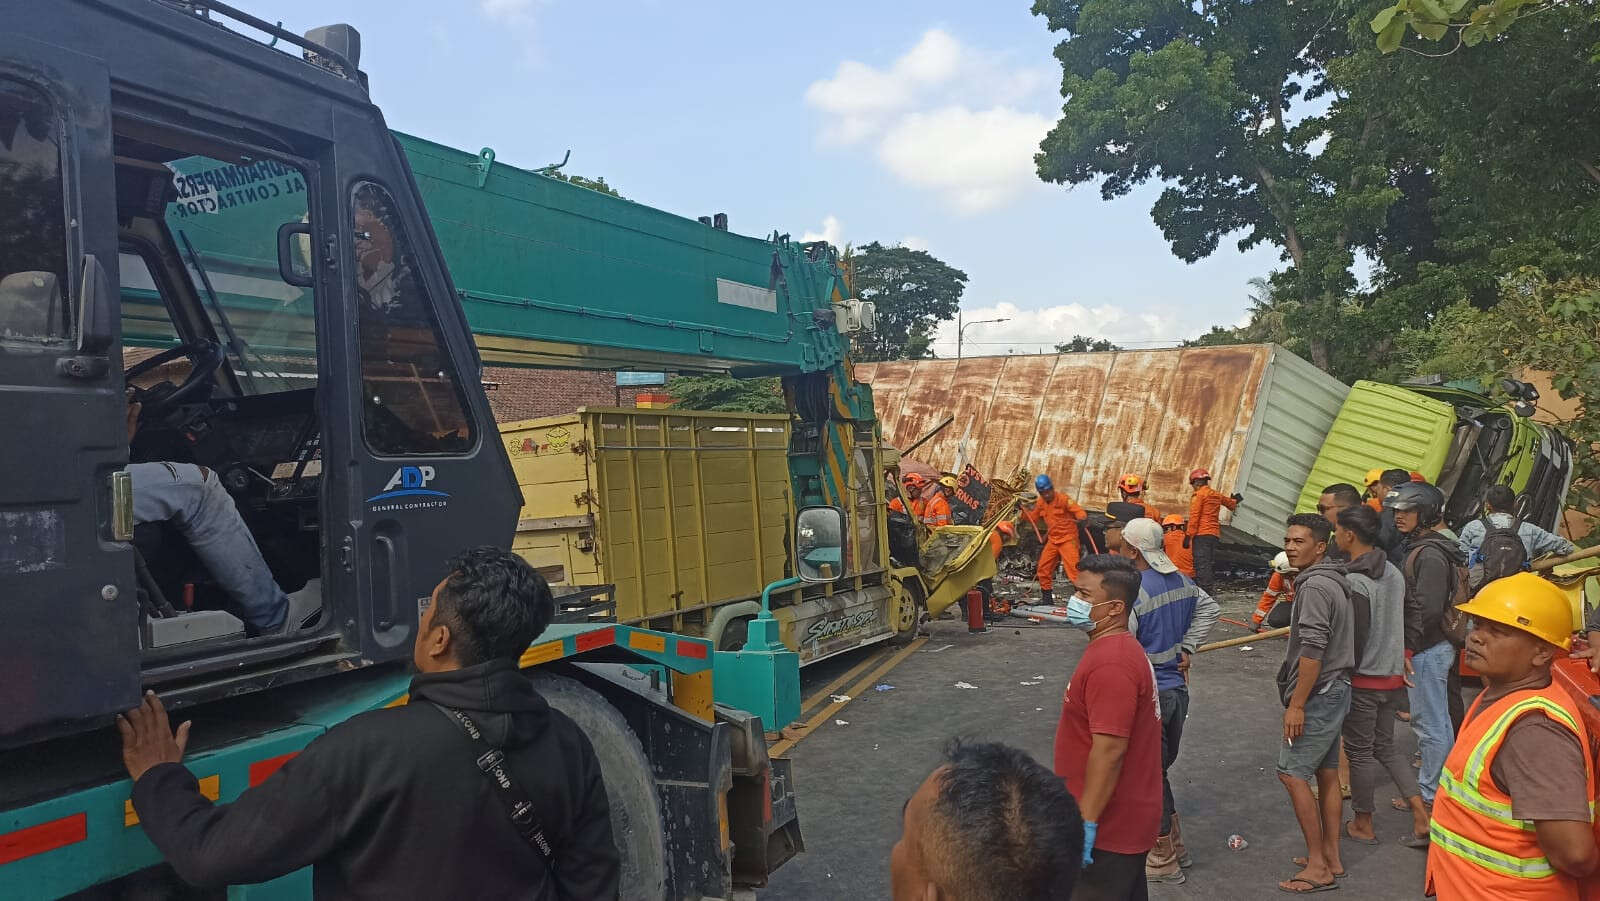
335,399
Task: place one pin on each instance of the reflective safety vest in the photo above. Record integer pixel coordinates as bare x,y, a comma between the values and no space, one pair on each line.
1479,850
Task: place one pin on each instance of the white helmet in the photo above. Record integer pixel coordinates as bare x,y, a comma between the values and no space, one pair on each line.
1280,564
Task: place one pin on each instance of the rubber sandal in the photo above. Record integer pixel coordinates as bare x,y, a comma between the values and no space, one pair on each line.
1314,886
1413,840
1301,863
1344,831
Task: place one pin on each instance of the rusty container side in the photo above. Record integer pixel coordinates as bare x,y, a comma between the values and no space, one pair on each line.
924,404
1208,405
1014,414
888,381
1126,435
1067,419
971,394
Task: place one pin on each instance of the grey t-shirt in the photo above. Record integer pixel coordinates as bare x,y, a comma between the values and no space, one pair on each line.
1322,628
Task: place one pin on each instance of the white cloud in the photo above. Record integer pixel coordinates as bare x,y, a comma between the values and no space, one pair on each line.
1039,330
912,242
832,232
977,160
959,121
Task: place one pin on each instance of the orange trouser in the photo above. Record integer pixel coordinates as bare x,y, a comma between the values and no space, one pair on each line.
1064,553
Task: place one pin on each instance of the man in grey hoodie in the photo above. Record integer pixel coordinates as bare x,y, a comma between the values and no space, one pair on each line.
1379,681
1314,685
1430,567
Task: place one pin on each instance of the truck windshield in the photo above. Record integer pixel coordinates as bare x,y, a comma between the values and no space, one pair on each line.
224,221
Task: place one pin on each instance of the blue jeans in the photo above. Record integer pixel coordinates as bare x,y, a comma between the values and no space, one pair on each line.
1430,712
192,499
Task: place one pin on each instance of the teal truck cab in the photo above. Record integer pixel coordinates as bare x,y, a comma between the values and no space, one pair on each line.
342,411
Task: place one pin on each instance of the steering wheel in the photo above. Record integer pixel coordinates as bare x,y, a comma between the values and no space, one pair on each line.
205,357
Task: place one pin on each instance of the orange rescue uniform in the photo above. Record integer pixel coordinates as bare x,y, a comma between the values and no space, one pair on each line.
1279,589
936,512
1376,504
1181,557
1204,510
1061,516
1477,849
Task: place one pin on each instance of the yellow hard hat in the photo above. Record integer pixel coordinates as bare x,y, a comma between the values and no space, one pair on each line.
1527,602
947,481
1373,475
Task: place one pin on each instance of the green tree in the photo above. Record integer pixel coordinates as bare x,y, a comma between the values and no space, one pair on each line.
1080,344
1438,20
914,292
725,394
593,184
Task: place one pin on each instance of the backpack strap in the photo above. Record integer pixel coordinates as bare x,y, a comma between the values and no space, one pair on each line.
491,763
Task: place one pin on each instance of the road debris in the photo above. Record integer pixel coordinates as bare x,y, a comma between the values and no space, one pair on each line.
883,686
841,722
839,699
1031,683
965,685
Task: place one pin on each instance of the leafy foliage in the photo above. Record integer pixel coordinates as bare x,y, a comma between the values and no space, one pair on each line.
725,394
593,184
1080,344
914,292
1435,19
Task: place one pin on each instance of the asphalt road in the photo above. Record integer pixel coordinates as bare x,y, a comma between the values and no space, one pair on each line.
852,777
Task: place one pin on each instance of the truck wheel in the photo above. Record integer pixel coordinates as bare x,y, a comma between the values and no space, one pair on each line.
909,612
734,634
630,783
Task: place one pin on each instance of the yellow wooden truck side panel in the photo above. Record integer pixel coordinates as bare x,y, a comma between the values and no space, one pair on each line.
677,510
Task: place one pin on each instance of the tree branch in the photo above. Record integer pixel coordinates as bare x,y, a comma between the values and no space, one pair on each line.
1291,235
1594,174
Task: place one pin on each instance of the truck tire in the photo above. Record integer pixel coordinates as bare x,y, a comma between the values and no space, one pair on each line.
734,634
910,609
630,783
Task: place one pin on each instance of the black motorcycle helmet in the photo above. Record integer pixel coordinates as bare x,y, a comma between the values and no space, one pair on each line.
1427,500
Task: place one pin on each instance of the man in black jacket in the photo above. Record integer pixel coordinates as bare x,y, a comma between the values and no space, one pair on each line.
1430,566
391,803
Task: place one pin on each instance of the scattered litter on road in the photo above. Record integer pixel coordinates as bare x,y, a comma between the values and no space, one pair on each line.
938,649
1248,647
841,722
883,686
1030,683
1040,678
839,699
1237,842
965,685
1037,709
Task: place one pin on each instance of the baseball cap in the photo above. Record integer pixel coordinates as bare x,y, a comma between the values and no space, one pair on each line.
1145,536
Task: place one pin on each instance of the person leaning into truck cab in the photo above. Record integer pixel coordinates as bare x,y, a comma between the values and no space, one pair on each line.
1500,510
1513,816
1061,516
1273,610
936,512
1205,525
192,498
988,824
392,803
912,484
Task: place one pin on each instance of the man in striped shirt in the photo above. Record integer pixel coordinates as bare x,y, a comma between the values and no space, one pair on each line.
1171,618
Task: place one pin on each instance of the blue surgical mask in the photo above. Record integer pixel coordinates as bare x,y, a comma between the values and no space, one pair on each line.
1078,610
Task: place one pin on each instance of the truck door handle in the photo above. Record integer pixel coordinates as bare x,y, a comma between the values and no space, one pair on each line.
385,582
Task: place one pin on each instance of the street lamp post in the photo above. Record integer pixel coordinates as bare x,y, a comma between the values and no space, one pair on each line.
961,329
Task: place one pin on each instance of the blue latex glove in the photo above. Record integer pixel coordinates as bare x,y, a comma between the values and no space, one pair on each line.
1089,830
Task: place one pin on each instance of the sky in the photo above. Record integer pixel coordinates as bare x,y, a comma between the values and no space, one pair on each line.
904,123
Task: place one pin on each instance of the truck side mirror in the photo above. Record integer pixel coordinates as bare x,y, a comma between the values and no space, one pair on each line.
294,253
95,310
819,540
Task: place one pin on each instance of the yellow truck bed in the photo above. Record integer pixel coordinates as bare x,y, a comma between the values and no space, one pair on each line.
679,511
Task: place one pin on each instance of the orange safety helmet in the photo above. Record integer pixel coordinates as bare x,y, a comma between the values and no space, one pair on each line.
914,480
1171,519
1131,484
1201,473
1418,477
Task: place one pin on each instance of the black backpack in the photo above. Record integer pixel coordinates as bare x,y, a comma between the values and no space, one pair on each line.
1501,554
1454,622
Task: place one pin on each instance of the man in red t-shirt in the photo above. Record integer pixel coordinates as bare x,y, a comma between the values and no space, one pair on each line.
1108,743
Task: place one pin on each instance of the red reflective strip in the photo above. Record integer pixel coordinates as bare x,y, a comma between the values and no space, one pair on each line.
43,837
599,638
695,649
261,769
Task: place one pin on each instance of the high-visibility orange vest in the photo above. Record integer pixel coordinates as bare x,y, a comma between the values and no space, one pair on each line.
1478,849
937,512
